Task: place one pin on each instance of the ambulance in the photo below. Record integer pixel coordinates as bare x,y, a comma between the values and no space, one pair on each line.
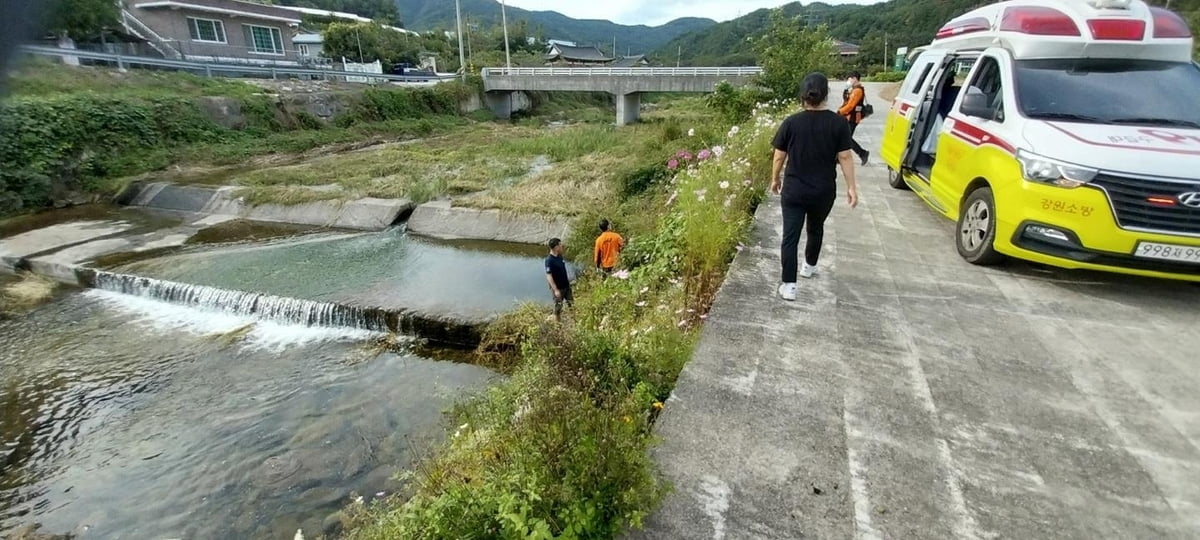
1064,132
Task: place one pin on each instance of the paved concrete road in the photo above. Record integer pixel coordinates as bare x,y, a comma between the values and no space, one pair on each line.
908,394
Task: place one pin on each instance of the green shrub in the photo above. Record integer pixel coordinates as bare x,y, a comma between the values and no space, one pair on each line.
733,105
888,76
381,104
641,179
70,142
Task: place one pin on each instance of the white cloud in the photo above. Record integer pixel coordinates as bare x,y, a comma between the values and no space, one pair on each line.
650,13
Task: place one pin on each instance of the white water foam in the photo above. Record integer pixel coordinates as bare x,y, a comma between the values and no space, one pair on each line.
263,334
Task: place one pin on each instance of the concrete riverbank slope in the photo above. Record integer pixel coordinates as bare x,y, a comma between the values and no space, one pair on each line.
908,394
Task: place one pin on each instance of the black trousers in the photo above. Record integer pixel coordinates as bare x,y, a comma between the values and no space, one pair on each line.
858,149
796,211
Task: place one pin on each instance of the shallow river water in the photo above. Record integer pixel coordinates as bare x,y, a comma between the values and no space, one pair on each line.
125,417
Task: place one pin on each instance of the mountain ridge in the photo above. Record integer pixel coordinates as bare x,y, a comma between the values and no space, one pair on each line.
424,15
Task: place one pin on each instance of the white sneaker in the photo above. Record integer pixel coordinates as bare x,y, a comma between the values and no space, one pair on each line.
808,270
787,291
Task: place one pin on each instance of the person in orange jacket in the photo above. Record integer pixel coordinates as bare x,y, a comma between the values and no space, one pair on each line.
851,109
608,247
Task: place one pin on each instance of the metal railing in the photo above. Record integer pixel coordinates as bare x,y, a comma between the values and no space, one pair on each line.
622,72
210,68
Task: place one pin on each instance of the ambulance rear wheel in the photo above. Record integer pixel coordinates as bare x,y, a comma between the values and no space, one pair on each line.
977,229
895,180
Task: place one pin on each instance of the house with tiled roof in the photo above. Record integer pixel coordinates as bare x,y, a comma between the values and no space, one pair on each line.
845,49
566,55
637,60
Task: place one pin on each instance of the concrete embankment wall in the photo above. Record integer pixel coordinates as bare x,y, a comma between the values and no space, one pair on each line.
442,220
367,214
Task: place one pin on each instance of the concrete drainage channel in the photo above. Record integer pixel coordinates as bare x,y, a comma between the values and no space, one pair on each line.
67,252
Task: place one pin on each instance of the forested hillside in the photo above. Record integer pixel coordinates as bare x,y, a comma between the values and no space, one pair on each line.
900,22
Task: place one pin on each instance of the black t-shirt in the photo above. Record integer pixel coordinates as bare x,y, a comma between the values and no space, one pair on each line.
812,140
557,268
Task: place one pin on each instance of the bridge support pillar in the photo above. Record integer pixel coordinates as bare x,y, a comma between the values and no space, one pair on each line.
628,108
501,103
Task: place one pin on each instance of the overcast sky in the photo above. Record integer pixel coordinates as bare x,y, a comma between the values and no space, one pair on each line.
654,12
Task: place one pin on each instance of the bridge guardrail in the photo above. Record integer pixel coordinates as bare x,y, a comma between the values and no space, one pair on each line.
622,72
209,67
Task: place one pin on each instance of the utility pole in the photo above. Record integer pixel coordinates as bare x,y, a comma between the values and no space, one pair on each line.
614,47
462,60
679,56
359,40
885,52
467,28
504,19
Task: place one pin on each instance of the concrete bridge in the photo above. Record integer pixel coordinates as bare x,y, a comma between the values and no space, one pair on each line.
501,85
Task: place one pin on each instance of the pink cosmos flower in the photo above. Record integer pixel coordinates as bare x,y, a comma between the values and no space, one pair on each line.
704,154
673,164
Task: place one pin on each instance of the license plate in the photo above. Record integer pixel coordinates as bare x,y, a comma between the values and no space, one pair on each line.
1167,252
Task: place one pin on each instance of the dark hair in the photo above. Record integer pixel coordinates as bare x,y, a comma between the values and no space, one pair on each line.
604,225
814,89
856,74
554,242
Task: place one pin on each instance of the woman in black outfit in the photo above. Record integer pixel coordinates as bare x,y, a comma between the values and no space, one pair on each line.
812,143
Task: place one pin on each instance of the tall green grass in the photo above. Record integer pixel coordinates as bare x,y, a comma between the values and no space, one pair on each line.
559,449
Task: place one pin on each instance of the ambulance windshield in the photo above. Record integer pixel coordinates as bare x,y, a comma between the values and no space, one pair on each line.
1133,92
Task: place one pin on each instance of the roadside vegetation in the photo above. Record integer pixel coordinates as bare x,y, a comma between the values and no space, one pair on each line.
559,449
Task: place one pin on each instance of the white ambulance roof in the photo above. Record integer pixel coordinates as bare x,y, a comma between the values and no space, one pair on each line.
1072,29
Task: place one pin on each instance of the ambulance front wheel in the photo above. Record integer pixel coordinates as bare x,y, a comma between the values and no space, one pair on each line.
977,229
895,180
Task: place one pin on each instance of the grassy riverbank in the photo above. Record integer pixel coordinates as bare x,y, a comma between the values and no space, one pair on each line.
562,170
75,133
560,448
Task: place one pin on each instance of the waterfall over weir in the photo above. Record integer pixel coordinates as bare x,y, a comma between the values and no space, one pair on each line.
261,306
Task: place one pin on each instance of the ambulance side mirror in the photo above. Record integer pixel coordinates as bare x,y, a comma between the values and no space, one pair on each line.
977,105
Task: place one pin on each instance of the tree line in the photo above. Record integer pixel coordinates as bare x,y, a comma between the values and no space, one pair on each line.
877,29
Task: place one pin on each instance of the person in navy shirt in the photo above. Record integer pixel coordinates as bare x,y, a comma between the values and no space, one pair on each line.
556,276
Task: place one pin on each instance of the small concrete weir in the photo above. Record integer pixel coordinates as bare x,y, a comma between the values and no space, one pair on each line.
311,313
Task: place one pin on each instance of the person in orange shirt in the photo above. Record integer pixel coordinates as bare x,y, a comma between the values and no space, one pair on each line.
851,110
608,247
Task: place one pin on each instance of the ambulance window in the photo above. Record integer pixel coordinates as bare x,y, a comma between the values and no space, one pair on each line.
987,81
919,84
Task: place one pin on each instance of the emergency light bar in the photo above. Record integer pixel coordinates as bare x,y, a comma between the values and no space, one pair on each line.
965,26
1038,21
1168,24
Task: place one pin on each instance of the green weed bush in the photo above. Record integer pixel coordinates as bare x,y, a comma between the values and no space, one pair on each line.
559,449
72,142
889,76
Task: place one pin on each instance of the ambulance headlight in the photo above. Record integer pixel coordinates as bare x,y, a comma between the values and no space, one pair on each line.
1044,170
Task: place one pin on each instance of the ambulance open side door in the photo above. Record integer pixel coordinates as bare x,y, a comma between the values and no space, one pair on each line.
923,116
